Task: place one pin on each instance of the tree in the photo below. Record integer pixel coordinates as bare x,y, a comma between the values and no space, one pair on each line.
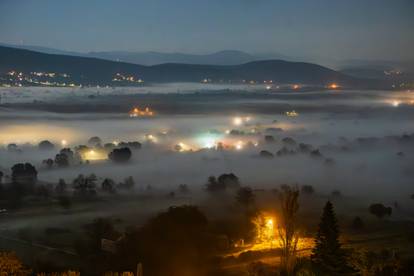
48,162
379,210
24,174
94,141
266,154
46,145
183,188
132,145
369,263
128,183
289,141
245,197
327,255
61,187
316,153
229,180
288,230
173,242
213,185
108,185
84,186
62,160
307,189
1,177
11,265
120,155
222,183
12,148
269,139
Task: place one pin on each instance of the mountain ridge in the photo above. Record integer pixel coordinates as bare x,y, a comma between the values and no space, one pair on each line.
87,70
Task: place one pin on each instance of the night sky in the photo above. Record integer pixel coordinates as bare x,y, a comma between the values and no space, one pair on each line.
343,29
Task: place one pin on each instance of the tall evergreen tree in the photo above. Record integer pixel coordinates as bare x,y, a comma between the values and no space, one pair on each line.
327,255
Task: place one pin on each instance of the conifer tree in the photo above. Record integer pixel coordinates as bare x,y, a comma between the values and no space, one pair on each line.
327,255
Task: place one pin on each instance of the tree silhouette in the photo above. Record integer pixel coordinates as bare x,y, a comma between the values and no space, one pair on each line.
213,185
108,185
266,154
84,186
229,180
25,174
62,160
48,163
288,231
11,265
379,210
46,145
245,197
120,155
61,187
327,255
94,141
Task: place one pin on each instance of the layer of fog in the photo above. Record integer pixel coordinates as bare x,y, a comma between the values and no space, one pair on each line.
357,172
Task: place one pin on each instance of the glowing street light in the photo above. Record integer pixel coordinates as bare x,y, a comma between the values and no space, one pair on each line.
237,121
333,86
239,145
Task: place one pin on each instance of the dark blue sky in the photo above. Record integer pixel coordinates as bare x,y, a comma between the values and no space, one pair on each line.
341,29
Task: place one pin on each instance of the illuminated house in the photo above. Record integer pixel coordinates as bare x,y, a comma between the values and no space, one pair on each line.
136,112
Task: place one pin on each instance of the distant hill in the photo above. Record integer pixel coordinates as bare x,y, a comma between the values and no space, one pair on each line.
98,71
229,57
364,72
379,69
42,49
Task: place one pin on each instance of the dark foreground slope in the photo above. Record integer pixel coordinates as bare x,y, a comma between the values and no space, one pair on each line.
91,71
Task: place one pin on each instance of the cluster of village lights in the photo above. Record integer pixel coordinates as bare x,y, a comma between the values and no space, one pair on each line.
397,103
238,121
204,141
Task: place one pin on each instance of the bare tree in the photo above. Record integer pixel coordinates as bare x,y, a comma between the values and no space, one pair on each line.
288,231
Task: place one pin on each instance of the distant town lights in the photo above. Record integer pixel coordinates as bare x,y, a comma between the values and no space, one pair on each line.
333,86
396,103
